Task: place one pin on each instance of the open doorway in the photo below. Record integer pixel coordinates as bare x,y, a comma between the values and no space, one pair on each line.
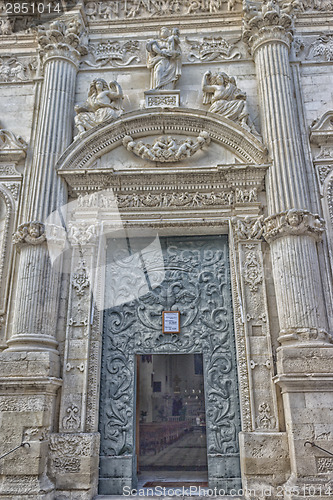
171,424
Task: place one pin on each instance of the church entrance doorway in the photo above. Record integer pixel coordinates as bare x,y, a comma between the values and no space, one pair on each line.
143,344
171,419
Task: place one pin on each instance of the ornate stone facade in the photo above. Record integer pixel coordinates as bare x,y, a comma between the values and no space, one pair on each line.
205,126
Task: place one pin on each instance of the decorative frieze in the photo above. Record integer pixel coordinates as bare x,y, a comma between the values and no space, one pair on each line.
248,228
167,148
110,10
294,222
162,98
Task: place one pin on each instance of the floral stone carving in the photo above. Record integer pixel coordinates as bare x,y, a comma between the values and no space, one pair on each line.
104,103
196,283
167,149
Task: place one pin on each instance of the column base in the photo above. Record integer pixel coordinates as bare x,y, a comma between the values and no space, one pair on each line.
32,342
265,462
74,461
26,487
305,337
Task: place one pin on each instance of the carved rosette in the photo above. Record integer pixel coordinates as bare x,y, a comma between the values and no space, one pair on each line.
293,223
63,39
266,24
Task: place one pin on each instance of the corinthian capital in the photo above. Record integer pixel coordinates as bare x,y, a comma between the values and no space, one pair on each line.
293,222
264,23
62,39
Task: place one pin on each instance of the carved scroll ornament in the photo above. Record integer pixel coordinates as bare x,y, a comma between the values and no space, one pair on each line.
166,148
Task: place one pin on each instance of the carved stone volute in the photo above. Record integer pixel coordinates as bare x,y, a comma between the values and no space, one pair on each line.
266,23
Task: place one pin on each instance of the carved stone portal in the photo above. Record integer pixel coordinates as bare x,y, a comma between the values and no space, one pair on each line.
195,280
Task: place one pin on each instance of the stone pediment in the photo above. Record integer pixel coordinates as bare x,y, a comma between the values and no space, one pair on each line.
101,160
84,153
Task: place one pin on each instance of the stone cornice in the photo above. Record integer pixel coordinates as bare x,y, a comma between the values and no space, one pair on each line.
293,223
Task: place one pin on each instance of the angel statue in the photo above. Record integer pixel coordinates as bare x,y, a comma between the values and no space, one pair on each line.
226,99
104,103
164,60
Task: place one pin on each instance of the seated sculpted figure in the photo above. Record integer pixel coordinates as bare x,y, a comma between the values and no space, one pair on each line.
226,99
104,103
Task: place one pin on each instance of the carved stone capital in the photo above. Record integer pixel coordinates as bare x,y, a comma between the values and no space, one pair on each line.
265,24
304,336
293,222
248,228
31,233
64,39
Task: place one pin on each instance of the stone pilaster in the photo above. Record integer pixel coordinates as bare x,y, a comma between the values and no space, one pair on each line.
291,230
60,48
269,34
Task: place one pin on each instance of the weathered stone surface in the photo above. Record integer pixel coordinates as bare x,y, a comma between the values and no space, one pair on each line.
222,73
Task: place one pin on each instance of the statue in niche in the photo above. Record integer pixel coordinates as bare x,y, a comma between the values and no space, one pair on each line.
164,60
226,99
104,103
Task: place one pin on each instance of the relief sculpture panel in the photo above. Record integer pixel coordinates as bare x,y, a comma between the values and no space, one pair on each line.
191,275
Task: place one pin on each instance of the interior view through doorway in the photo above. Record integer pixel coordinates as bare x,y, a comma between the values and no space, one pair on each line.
171,424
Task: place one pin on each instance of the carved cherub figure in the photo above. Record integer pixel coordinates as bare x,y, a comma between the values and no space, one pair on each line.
104,103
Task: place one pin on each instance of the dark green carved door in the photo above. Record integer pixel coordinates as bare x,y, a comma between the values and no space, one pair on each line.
143,279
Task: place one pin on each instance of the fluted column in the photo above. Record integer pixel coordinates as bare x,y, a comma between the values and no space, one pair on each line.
38,288
291,229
